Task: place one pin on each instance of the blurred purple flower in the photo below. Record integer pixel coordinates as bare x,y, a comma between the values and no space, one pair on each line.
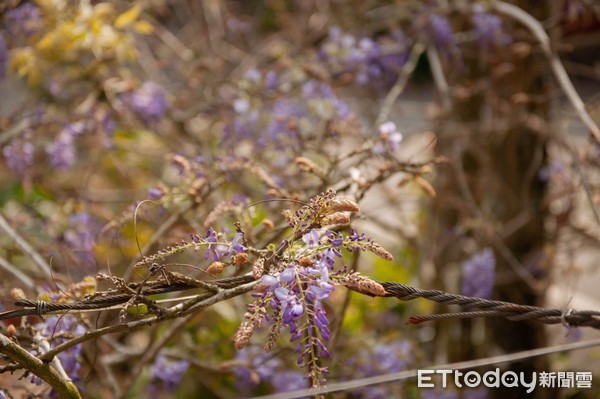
3,57
285,381
383,359
252,75
61,327
488,30
479,274
149,102
81,232
389,138
19,154
61,152
271,80
554,168
259,367
167,372
441,32
322,91
23,20
371,62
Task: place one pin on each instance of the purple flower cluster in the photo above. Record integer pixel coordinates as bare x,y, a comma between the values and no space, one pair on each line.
61,151
56,329
368,61
289,380
479,274
298,293
441,32
321,98
81,232
23,20
488,30
258,367
263,368
383,359
19,153
149,102
281,121
167,373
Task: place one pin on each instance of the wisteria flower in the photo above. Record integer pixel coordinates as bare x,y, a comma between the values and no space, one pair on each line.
479,274
311,238
149,102
389,138
167,373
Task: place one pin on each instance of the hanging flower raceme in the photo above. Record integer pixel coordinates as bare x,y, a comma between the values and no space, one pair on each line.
292,292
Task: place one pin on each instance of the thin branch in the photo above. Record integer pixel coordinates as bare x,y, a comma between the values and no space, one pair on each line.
536,28
19,275
404,375
25,247
438,77
400,84
500,246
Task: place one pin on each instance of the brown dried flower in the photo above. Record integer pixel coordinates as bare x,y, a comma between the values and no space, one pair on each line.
215,268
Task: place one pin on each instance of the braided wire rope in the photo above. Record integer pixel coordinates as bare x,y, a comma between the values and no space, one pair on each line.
489,308
477,307
40,308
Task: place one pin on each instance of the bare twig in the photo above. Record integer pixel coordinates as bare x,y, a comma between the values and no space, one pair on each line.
25,247
438,77
536,28
398,87
19,275
404,375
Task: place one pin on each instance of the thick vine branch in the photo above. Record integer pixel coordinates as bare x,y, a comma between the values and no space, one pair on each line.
64,388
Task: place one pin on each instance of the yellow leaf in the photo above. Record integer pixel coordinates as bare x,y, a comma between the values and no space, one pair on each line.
143,27
128,16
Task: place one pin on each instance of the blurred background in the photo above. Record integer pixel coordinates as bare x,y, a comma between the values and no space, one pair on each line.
445,120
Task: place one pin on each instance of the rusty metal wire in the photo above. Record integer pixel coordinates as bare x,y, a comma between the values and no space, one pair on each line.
108,299
476,307
479,307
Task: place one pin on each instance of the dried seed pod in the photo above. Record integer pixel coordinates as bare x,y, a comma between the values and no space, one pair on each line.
181,163
379,251
243,334
425,186
343,204
335,218
305,261
11,330
17,293
215,268
240,259
268,223
365,285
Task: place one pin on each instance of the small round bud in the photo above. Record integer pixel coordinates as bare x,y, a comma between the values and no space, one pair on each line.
240,259
216,268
